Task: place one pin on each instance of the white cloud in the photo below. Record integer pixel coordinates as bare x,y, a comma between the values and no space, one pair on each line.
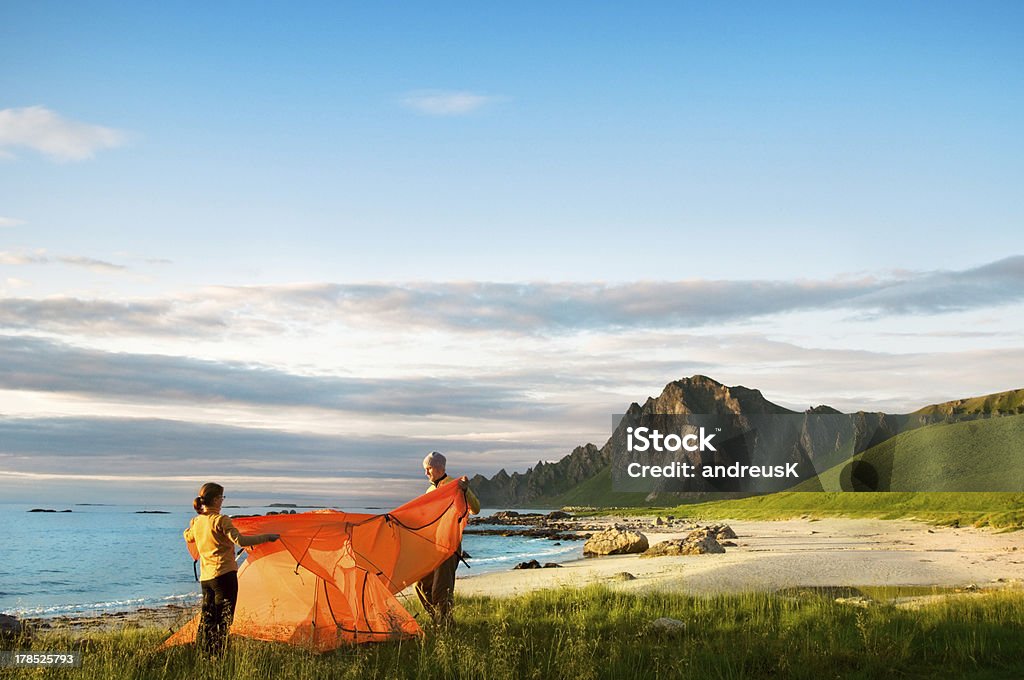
35,257
52,135
39,256
92,263
444,103
10,222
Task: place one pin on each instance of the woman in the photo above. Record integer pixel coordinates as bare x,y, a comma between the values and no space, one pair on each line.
212,539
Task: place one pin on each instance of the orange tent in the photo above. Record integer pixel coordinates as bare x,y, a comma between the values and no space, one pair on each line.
333,576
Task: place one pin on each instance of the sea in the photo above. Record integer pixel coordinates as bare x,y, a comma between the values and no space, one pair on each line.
108,558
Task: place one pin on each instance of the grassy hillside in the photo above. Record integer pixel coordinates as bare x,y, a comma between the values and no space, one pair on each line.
1006,403
999,510
976,455
957,463
596,491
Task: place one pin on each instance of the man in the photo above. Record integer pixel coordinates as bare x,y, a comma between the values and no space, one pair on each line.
436,590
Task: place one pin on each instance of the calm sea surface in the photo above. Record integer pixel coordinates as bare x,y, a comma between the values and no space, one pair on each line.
108,558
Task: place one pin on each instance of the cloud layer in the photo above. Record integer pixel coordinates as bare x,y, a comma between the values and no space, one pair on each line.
527,308
500,374
42,366
56,137
155,460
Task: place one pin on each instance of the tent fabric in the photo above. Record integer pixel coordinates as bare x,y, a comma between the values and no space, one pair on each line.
332,577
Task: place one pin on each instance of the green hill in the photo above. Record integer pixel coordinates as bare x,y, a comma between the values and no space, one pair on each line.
1000,403
597,491
985,454
968,456
999,510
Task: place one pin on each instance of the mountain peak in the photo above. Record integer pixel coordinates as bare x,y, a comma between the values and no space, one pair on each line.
704,395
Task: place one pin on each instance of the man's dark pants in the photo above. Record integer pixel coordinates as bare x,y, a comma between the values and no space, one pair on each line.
437,590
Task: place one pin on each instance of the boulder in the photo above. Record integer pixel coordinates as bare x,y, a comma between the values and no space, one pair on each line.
615,542
672,547
667,625
12,629
558,514
702,544
699,542
532,564
722,532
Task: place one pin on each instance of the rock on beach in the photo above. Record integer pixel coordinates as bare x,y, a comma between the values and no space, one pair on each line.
699,542
616,542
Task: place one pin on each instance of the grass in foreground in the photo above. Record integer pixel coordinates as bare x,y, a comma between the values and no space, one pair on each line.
598,633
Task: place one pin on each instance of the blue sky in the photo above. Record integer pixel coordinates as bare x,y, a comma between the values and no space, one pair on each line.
536,213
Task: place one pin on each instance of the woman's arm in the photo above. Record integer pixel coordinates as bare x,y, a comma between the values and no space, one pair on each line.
244,540
255,539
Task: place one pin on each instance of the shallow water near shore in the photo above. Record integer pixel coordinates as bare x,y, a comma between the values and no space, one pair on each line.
106,558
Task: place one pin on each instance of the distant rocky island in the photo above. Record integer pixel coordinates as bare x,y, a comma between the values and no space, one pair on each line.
46,510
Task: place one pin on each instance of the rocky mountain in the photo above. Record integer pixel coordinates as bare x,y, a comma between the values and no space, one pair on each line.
521,489
698,394
748,431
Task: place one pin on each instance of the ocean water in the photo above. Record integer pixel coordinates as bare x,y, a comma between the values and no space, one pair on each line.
101,558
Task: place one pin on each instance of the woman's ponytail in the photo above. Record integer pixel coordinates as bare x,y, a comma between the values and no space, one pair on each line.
207,492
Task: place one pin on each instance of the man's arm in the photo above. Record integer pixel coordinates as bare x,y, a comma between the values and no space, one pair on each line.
471,500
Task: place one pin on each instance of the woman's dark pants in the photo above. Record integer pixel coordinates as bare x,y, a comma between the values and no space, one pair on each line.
219,597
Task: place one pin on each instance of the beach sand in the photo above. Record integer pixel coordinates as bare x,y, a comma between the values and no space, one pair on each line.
168,618
776,555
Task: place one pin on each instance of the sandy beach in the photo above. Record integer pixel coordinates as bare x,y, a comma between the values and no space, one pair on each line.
774,555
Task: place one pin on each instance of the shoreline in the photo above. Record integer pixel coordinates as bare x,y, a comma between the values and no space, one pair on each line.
769,556
168,617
